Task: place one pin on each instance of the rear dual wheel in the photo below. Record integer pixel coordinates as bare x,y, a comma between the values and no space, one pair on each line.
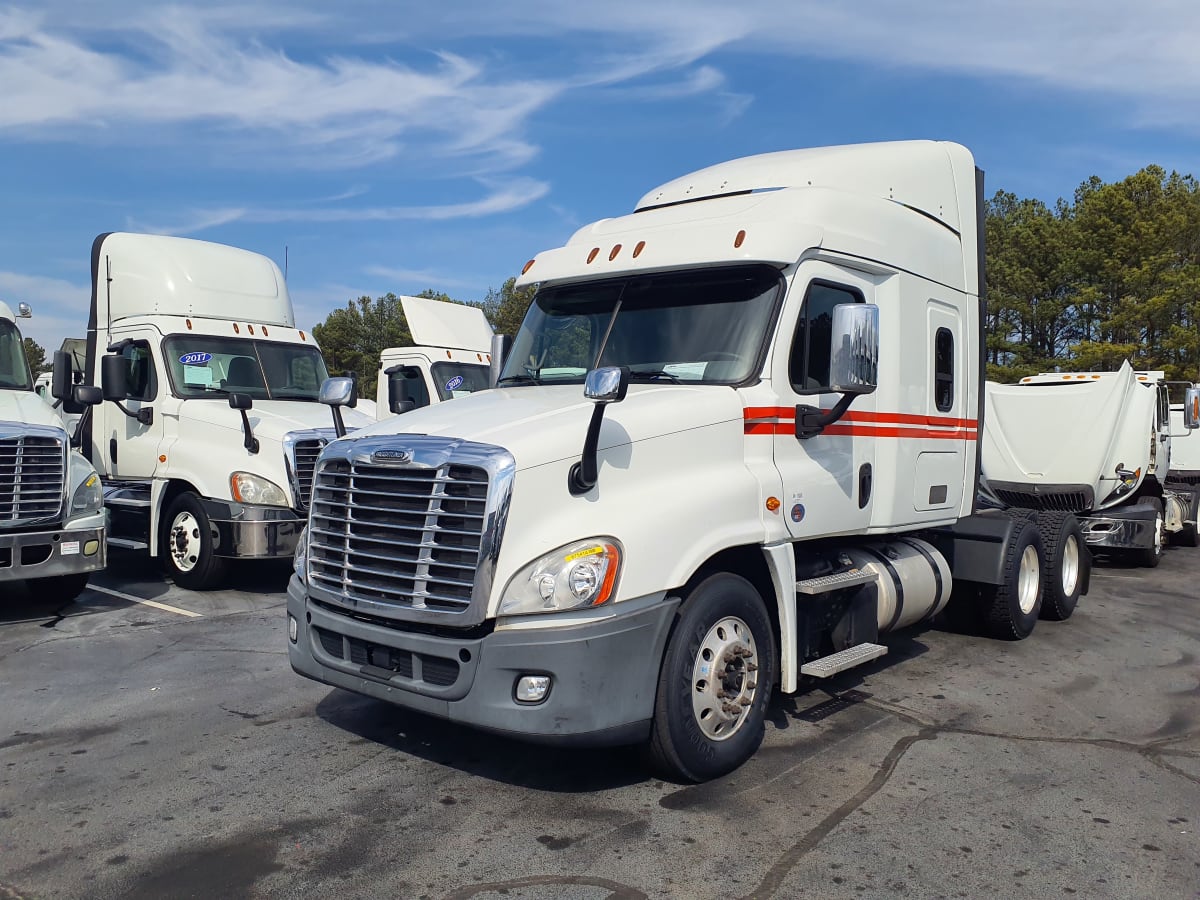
1010,609
1066,562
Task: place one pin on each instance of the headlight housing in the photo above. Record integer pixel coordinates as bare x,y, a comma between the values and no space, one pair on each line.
579,575
87,494
249,488
300,560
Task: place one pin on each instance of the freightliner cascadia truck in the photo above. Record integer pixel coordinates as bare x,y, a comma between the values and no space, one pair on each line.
735,440
210,428
51,513
1091,445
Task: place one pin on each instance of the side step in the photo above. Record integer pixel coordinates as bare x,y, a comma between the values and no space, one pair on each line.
843,660
825,583
127,543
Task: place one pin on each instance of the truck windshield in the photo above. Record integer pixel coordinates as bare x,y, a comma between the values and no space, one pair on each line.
204,366
702,326
14,372
455,379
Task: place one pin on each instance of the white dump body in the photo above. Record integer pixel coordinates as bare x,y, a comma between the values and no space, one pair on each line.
1062,434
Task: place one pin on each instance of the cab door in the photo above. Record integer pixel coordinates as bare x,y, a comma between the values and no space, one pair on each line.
829,479
130,448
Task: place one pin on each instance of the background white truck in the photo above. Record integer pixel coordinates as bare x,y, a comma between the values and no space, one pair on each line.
1185,442
734,442
1094,444
211,425
51,517
451,357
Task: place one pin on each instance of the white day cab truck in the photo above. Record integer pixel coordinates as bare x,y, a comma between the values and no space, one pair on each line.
210,424
1091,446
734,442
51,513
452,357
1185,444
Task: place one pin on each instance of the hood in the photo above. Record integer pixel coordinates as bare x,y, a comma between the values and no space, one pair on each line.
27,408
540,425
270,420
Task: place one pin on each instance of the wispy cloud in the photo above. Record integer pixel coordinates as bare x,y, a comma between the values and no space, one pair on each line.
60,307
409,281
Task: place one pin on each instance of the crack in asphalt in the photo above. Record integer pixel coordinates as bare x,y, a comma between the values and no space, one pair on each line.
617,891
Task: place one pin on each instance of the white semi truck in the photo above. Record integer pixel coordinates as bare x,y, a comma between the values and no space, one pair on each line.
1093,444
1185,442
51,512
210,427
734,442
451,358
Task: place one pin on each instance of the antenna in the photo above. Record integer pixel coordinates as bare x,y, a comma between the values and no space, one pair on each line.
285,261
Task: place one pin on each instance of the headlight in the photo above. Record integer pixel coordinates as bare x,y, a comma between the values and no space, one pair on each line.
582,574
247,488
300,560
87,494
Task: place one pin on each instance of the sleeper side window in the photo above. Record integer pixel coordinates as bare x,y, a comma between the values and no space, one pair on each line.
943,370
808,365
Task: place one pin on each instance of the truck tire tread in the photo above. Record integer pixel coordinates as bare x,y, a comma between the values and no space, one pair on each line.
1057,530
1003,617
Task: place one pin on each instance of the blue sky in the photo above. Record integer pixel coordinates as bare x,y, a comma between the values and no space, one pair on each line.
396,146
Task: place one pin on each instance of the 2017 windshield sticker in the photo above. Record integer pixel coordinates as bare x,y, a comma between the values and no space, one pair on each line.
454,383
195,358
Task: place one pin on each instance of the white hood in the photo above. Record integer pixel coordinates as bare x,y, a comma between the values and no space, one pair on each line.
1076,433
540,425
27,408
270,420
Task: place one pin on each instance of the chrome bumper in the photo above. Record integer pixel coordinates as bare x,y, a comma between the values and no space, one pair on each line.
44,554
253,532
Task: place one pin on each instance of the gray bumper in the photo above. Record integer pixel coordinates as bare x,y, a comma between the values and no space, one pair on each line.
44,554
604,673
1126,528
253,532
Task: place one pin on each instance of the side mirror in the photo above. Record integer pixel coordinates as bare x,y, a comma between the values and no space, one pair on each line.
24,311
87,395
1191,408
241,401
398,400
607,385
338,391
60,381
501,345
114,378
854,350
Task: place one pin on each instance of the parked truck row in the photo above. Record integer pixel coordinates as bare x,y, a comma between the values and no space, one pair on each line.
742,433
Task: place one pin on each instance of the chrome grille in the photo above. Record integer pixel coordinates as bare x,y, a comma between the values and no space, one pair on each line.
32,473
304,462
396,536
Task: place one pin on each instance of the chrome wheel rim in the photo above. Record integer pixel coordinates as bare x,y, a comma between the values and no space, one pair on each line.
184,542
724,679
1158,534
1028,578
1069,573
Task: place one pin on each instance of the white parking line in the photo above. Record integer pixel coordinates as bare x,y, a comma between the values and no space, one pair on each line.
154,603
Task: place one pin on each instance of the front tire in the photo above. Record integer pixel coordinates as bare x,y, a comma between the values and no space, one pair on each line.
187,543
1067,559
715,682
1151,556
1010,609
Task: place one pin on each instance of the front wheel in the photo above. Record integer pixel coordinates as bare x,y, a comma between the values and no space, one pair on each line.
715,682
1151,556
187,544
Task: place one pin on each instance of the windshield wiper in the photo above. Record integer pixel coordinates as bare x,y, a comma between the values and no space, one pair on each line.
519,379
652,375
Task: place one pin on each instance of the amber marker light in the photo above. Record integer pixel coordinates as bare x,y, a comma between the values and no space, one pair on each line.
188,322
302,337
637,251
236,330
740,239
592,255
264,328
250,328
528,266
162,458
773,503
612,254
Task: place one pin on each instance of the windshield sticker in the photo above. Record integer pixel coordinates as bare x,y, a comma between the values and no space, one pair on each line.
196,358
197,376
454,383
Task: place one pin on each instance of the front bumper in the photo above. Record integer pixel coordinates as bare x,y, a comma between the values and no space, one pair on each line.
253,532
1124,528
604,673
45,554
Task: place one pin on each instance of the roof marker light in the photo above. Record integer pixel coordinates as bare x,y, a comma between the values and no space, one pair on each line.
236,330
528,266
264,328
302,337
250,328
592,255
189,323
637,251
612,254
741,237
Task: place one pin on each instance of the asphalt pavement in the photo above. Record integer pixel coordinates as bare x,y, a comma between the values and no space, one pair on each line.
154,743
